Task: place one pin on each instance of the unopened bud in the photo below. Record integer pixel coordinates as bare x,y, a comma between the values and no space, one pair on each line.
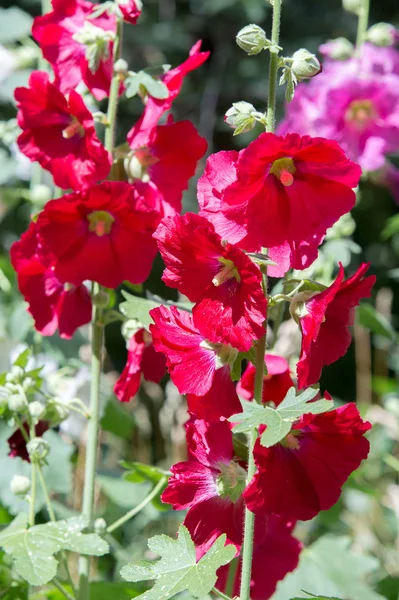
20,485
305,64
101,299
353,6
383,34
100,526
28,383
17,403
252,39
36,409
17,373
40,194
38,449
241,117
121,66
338,49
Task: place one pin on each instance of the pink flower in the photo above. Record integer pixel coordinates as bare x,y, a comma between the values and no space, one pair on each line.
191,360
130,10
225,283
166,157
325,326
60,134
209,484
276,383
304,473
219,403
221,175
141,360
103,234
53,304
156,107
61,34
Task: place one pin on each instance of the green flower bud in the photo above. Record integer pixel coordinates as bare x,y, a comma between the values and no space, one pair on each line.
36,410
100,526
101,299
252,39
17,373
20,485
28,383
338,49
241,117
38,449
17,403
121,66
304,64
40,194
382,34
353,6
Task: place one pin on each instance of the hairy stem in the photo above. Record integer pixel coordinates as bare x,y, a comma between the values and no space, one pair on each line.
362,24
61,588
139,507
220,594
273,67
32,495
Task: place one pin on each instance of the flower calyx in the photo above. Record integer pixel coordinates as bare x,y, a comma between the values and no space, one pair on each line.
252,39
225,354
298,308
231,481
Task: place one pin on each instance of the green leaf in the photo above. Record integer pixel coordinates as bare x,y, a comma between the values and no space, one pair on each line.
22,359
278,420
308,285
33,549
236,370
177,570
117,420
369,318
16,24
142,80
138,308
329,567
391,227
139,472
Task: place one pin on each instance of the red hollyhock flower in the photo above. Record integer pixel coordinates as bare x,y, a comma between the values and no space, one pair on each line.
220,173
225,283
276,383
103,234
130,10
52,303
192,361
141,360
304,473
17,442
60,134
60,34
167,158
285,189
156,107
219,403
325,327
276,553
209,484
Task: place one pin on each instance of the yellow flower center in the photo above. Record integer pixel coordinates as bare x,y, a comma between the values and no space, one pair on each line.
284,169
100,222
228,271
360,113
74,128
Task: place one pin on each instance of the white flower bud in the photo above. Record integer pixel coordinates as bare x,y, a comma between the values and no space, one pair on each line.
241,117
20,485
36,409
40,194
338,49
100,526
17,403
17,373
121,66
252,39
28,383
38,449
305,64
383,34
352,6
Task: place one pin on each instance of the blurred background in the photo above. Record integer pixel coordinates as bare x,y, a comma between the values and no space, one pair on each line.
150,428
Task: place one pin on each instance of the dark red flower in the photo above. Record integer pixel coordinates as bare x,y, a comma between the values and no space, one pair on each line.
221,279
17,442
276,383
52,304
103,234
304,473
60,35
325,327
141,360
156,107
60,134
130,9
191,360
276,553
167,160
219,403
280,189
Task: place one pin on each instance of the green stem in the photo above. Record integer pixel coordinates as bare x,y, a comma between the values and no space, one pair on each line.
139,507
273,67
49,506
61,588
362,24
109,140
231,577
33,487
92,440
220,594
249,519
